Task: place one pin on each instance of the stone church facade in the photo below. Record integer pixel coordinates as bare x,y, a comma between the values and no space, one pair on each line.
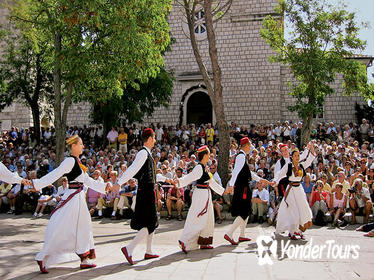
255,90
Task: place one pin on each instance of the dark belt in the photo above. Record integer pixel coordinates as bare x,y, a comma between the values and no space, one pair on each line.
200,186
294,184
75,186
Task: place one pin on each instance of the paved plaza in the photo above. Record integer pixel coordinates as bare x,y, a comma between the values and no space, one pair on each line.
22,237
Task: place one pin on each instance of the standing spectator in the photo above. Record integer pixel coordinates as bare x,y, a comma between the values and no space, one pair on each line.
112,137
159,132
122,141
209,134
364,130
47,135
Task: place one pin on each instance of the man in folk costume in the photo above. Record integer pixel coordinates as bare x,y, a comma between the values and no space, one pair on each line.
239,184
10,177
199,226
69,231
145,218
283,183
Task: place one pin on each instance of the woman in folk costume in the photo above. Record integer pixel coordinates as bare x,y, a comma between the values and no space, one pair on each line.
10,177
239,184
199,226
69,232
145,218
294,214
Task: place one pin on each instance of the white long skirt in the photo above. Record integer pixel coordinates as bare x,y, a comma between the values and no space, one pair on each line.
298,212
198,229
68,232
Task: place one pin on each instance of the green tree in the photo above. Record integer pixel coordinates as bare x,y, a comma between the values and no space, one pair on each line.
22,75
321,40
94,46
135,103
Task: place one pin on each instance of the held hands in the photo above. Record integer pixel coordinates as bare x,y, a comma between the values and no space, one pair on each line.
229,190
26,182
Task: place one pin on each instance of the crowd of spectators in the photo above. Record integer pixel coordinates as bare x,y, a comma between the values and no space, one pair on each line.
340,179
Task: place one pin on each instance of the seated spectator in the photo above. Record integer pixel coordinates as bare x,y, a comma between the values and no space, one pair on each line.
360,202
29,194
318,200
342,180
260,202
93,196
4,190
227,197
111,198
13,194
160,197
47,197
217,201
275,201
338,200
62,189
326,186
308,186
174,200
127,195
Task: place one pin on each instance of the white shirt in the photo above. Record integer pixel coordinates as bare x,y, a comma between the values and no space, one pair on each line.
138,162
196,174
239,163
264,194
65,167
9,177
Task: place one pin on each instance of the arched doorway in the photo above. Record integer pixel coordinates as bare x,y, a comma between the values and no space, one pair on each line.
199,108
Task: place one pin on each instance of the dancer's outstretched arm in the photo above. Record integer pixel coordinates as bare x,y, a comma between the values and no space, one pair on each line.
9,177
194,175
65,167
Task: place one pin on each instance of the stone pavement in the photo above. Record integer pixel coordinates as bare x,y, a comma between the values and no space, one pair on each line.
22,237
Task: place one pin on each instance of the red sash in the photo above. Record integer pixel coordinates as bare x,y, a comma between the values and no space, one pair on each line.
63,202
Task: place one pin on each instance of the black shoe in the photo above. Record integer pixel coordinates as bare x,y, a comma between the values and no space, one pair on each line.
254,219
260,220
168,217
99,217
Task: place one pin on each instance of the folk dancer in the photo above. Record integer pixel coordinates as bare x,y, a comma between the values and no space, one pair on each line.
199,226
69,232
239,185
145,218
294,214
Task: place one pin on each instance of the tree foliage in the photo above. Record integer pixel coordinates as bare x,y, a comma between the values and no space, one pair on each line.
96,47
135,103
321,41
23,75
